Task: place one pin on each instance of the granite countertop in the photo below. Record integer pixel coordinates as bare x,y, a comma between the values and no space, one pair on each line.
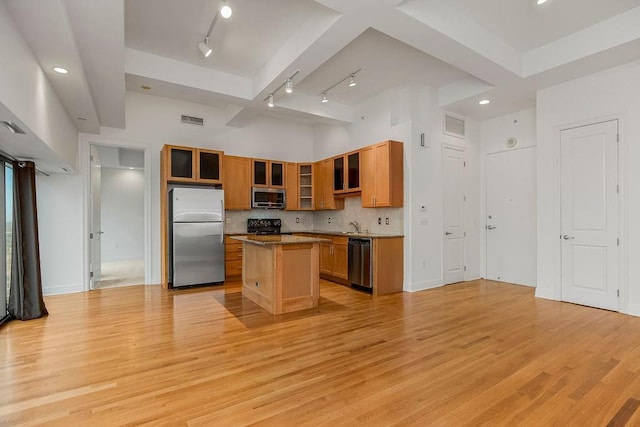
278,239
352,234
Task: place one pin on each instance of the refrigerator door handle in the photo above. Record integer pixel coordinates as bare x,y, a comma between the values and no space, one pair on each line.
222,213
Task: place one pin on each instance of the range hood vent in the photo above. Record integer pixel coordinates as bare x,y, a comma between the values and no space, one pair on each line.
192,120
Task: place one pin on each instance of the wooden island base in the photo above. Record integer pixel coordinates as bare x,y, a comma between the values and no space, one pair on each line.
281,276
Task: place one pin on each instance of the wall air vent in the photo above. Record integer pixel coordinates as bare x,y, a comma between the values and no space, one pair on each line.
12,127
454,126
191,120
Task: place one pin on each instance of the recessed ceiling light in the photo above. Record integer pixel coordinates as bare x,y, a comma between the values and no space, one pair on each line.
131,169
541,1
60,70
484,102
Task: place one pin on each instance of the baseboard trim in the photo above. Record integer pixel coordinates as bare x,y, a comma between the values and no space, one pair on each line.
545,294
423,286
633,310
60,290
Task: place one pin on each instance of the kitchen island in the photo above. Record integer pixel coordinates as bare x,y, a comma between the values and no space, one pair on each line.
281,273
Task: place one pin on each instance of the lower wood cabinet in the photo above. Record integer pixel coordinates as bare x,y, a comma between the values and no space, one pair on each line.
232,259
334,257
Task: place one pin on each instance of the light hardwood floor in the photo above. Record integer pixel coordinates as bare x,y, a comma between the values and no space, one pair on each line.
478,353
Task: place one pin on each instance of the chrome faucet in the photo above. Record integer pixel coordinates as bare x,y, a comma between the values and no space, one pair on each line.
356,225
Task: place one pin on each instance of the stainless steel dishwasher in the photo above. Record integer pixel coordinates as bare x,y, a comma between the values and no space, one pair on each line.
360,265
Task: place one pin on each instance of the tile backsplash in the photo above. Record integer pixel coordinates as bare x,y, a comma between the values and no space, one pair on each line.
367,218
236,221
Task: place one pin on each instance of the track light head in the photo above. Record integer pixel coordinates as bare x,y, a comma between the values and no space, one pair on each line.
352,80
324,98
225,10
270,101
204,47
288,86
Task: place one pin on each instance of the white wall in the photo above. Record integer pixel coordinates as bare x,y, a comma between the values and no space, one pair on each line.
494,134
609,94
122,214
152,122
26,92
60,232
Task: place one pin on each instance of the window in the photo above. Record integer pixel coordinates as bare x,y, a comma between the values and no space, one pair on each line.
6,234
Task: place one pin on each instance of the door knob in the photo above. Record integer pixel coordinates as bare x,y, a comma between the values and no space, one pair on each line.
447,233
567,237
491,227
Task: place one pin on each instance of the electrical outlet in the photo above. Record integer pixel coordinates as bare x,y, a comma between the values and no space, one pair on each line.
386,221
329,220
297,220
379,221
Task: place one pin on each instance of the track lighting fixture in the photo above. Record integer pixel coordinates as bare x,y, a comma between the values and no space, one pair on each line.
288,87
352,83
204,47
225,10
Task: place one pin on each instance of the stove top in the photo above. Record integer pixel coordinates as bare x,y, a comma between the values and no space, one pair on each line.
264,225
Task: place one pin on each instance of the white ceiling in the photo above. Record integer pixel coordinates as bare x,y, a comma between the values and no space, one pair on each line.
241,44
466,50
524,25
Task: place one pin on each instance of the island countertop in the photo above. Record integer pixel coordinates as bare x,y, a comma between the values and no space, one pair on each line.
282,239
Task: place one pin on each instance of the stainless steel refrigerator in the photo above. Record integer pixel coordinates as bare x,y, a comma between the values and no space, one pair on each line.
196,236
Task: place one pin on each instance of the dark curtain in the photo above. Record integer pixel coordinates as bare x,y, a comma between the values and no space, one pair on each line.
25,296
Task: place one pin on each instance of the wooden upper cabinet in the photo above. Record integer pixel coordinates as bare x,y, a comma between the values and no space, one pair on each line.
346,173
323,187
291,187
237,183
299,186
305,194
268,173
189,164
382,175
209,166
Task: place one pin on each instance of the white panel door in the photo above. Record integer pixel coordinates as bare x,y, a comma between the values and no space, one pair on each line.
511,216
95,236
453,164
590,215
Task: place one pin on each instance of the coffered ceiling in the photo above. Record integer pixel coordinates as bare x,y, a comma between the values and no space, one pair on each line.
502,50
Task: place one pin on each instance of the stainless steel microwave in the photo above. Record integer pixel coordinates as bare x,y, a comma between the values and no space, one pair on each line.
268,198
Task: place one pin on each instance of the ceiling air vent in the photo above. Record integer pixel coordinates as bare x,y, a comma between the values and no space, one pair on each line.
453,126
192,120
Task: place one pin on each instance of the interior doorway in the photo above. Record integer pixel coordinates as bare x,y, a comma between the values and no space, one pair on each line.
453,166
590,215
510,225
116,217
